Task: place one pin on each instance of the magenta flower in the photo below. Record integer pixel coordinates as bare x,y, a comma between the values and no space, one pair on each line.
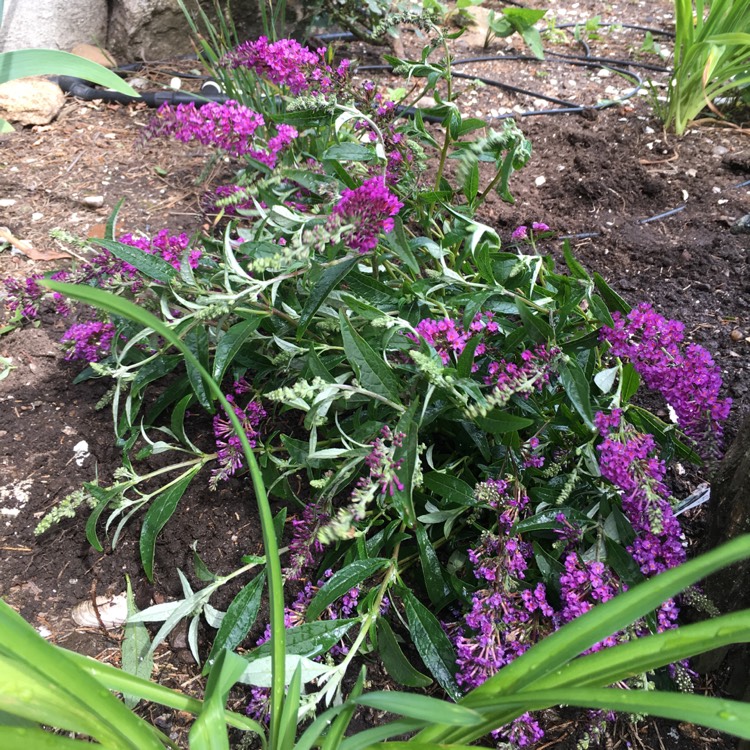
370,209
169,247
287,63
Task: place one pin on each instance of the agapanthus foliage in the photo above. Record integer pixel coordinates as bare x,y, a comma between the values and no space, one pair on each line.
443,419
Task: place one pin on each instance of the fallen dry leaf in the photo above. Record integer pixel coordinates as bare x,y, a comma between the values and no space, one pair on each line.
26,248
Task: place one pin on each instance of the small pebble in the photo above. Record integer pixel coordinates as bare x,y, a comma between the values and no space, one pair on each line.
93,201
736,335
539,181
7,202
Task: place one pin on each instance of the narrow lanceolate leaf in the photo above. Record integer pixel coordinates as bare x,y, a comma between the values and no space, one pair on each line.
230,343
370,368
394,660
159,513
432,572
451,488
309,639
341,582
152,266
423,707
577,389
136,658
432,643
240,617
196,339
329,280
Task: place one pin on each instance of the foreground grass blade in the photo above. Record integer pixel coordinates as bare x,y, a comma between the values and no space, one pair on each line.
104,716
721,714
210,730
43,62
115,305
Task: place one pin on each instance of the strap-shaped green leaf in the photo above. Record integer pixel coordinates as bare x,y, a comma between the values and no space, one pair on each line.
45,62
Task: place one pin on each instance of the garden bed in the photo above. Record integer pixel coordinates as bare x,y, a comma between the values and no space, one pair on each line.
598,177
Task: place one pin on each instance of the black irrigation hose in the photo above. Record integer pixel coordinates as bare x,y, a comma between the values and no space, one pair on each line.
82,90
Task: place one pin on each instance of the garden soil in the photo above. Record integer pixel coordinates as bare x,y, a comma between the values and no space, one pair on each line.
596,176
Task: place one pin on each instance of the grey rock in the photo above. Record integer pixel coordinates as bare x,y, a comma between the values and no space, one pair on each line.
741,226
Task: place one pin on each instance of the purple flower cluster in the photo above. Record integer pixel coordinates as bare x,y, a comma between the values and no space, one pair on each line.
230,127
449,338
531,374
522,232
381,463
228,446
287,63
505,619
687,376
27,296
89,342
169,247
628,460
304,543
370,209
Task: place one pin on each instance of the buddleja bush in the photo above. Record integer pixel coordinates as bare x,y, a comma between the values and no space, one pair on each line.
448,421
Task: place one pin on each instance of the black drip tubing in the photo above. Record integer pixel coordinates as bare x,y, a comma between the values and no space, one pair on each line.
83,90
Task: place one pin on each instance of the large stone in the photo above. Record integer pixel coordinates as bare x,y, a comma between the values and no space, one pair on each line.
95,54
52,24
30,101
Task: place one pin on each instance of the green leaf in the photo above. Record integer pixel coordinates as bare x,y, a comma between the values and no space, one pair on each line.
230,343
342,581
160,511
349,152
103,497
136,659
498,422
421,707
614,301
399,243
370,368
44,62
196,340
394,661
471,182
717,713
432,644
577,271
321,288
452,488
539,329
177,420
152,266
310,639
240,617
631,381
209,731
576,385
432,572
